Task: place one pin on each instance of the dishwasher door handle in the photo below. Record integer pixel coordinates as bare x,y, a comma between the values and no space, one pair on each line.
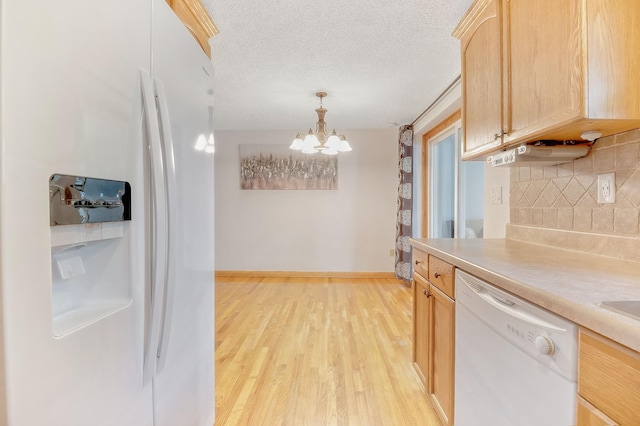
503,300
511,308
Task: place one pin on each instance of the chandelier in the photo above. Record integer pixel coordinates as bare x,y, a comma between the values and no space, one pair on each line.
318,141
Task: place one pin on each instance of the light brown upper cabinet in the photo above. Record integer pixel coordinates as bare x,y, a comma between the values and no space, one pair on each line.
480,34
547,69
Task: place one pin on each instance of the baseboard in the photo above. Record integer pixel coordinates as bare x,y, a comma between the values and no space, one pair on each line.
305,274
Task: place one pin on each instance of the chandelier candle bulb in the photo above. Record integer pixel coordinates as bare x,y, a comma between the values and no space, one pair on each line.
317,141
333,141
344,144
297,142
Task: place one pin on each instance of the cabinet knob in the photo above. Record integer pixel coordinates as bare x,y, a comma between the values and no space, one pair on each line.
426,293
417,262
437,275
498,135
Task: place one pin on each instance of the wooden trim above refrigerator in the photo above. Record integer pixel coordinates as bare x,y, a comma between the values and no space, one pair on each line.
197,20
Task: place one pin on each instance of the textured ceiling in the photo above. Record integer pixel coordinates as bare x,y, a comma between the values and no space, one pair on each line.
381,62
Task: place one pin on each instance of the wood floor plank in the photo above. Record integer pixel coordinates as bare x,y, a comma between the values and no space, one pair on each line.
316,351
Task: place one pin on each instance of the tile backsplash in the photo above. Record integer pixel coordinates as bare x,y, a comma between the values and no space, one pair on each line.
564,197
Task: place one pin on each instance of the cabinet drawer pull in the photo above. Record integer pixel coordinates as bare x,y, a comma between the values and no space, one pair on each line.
437,275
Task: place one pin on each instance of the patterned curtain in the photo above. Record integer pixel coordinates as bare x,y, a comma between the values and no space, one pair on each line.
405,203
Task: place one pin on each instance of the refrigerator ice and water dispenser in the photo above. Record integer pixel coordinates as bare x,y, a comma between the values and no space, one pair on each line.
90,250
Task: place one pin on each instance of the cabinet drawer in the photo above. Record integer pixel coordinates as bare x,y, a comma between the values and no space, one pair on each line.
588,415
609,377
441,275
420,263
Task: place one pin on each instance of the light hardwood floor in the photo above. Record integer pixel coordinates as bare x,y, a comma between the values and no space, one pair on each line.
316,351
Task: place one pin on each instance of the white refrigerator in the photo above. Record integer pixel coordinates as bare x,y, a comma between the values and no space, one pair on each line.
106,216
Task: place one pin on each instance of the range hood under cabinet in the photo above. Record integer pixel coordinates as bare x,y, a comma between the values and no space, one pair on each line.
541,155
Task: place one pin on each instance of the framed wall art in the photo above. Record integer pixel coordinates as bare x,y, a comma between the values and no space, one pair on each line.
273,167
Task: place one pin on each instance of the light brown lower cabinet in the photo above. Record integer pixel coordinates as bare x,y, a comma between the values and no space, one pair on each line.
588,415
433,335
421,323
608,382
441,367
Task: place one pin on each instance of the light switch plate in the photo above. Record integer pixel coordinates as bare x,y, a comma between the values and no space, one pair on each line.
496,195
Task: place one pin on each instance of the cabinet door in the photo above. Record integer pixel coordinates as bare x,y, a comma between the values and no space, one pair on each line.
545,65
613,60
588,415
421,325
442,350
481,78
609,377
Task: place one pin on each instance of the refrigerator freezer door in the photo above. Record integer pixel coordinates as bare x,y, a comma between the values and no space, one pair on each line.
71,104
184,383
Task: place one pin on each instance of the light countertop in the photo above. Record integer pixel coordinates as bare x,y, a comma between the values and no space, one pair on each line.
568,283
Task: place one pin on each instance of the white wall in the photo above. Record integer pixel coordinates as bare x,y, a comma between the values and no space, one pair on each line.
496,216
350,229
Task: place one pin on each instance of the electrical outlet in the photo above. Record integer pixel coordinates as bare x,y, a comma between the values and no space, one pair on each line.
607,188
392,253
496,195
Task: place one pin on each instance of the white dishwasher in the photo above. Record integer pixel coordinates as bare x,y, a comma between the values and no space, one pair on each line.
515,363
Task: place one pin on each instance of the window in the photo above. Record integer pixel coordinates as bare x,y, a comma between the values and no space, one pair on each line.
455,194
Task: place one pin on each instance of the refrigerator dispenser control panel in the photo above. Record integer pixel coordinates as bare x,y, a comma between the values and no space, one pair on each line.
77,199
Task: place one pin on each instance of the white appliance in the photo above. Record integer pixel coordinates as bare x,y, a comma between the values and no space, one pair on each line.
104,321
515,363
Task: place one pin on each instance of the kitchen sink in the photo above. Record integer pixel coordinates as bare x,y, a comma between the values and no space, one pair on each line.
630,308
